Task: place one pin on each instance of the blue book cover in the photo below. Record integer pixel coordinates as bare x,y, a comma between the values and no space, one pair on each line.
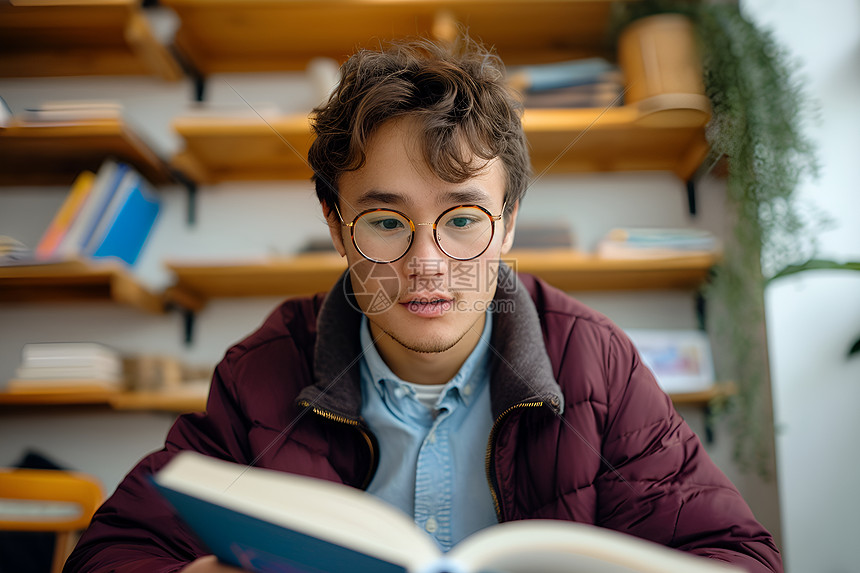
102,203
257,545
269,521
127,233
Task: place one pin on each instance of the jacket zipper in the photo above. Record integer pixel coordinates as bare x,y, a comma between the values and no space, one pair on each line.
491,446
351,422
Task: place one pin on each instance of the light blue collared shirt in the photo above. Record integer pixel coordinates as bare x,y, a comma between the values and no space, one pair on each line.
432,461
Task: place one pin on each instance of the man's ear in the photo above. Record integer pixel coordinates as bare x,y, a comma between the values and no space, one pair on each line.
334,228
510,226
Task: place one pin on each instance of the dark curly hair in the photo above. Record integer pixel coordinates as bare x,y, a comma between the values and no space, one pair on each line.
458,94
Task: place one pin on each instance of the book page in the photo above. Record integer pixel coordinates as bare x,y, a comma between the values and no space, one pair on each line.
551,546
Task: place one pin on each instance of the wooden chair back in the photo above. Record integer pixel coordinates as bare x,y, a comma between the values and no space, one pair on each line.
51,501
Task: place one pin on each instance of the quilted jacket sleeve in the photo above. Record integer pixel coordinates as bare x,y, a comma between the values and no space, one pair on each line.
134,530
660,483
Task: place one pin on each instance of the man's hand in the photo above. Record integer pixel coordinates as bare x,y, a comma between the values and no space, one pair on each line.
209,564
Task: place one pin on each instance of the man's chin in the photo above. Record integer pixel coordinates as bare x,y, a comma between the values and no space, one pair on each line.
426,345
428,336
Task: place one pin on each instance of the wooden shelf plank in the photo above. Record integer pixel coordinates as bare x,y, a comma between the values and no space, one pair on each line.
308,274
55,153
292,276
76,280
237,149
561,141
704,397
624,138
264,35
179,402
575,271
75,395
84,37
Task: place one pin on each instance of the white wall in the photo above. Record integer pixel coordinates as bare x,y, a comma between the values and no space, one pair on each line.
255,219
813,317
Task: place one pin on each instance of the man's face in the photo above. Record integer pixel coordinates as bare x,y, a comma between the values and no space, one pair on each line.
436,302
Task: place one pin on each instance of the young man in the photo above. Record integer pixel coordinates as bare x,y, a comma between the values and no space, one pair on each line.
431,375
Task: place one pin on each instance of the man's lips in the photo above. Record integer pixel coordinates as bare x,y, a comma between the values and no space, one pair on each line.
427,299
429,304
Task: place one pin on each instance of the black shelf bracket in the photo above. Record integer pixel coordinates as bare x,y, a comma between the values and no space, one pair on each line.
691,197
691,184
188,318
709,424
191,191
199,87
197,78
701,307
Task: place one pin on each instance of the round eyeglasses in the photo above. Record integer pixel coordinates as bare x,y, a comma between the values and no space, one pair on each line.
463,232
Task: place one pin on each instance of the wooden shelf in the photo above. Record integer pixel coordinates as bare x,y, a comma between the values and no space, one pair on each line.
84,37
76,280
661,125
78,395
293,276
55,153
243,149
308,274
264,35
704,397
575,271
625,138
179,402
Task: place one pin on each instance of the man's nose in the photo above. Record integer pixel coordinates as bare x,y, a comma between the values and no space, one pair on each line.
425,257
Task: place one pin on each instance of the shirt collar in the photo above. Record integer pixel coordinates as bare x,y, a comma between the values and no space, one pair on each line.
464,386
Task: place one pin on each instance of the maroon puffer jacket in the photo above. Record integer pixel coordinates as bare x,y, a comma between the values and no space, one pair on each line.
583,433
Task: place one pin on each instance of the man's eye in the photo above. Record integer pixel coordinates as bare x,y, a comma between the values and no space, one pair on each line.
461,222
389,224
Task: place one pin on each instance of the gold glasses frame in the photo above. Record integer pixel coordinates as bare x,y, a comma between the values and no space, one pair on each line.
413,225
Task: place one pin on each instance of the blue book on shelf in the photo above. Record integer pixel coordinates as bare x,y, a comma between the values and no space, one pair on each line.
540,77
101,204
125,233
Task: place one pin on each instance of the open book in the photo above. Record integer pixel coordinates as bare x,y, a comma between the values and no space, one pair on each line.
269,521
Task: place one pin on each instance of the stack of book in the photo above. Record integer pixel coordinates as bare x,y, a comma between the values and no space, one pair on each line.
67,365
653,243
66,111
105,214
586,83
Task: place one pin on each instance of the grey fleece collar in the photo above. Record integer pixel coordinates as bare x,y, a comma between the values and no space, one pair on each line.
521,370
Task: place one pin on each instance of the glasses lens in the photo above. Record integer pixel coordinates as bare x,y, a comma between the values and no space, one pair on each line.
464,232
382,235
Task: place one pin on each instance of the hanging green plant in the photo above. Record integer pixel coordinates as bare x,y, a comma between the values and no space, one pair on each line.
758,113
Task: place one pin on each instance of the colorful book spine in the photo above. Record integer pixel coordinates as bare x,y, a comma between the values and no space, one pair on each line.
102,204
103,187
129,180
126,232
542,77
65,215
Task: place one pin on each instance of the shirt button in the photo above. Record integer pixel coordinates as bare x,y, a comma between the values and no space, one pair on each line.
430,525
467,389
431,437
